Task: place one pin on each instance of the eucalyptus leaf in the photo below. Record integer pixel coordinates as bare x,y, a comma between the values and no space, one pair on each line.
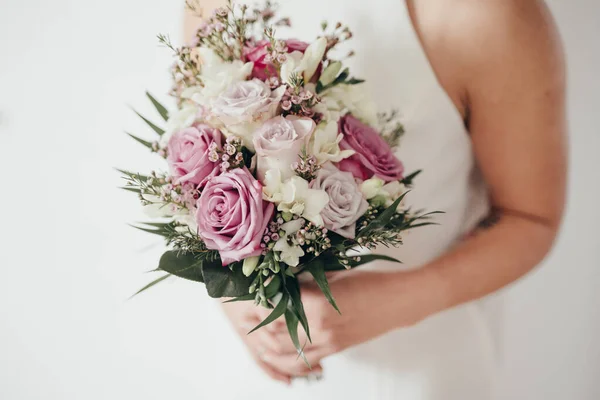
277,312
222,281
159,107
184,265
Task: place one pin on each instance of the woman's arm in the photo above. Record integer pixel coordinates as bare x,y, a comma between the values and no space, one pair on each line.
503,59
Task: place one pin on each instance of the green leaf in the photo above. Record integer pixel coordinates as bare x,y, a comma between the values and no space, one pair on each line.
408,180
291,321
133,175
367,258
155,128
222,281
292,289
277,312
159,107
341,77
354,81
274,287
131,189
148,286
142,141
317,270
161,229
384,218
184,265
246,297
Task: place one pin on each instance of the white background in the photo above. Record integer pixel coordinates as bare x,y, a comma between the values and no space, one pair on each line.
68,261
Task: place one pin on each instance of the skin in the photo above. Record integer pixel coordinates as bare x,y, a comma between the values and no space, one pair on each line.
501,63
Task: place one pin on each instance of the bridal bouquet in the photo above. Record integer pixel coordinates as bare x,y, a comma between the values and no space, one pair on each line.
277,162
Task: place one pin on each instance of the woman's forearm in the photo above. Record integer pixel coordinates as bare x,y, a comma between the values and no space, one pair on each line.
482,264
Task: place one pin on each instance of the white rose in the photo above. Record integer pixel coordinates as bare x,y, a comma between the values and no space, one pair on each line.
216,76
346,203
325,143
279,142
243,106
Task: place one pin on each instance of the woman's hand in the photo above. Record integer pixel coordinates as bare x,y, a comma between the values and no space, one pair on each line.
371,304
265,343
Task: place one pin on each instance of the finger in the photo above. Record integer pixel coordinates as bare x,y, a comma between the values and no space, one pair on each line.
292,364
273,373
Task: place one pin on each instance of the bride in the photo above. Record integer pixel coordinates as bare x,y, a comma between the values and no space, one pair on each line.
480,85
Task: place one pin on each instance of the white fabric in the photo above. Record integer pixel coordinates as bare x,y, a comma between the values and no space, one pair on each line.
449,356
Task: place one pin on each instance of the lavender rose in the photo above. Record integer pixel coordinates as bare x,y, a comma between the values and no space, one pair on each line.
346,202
279,142
244,105
232,215
187,154
373,156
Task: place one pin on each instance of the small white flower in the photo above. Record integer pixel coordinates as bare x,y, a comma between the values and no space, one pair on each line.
377,189
290,254
295,196
304,64
325,143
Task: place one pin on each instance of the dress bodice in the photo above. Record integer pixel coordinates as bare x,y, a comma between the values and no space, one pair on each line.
389,56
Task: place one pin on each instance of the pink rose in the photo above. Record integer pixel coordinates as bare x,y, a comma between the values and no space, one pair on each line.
232,215
187,154
373,156
279,142
346,202
262,69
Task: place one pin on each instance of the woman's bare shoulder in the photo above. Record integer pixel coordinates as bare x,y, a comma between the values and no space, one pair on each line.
470,39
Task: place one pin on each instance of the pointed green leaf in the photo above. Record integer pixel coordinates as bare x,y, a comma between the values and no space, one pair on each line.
154,127
131,189
292,288
133,174
159,107
408,180
367,258
142,141
274,287
148,286
317,270
291,321
184,265
246,297
384,218
277,312
354,81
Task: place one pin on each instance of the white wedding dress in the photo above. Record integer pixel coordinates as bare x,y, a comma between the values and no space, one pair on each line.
450,356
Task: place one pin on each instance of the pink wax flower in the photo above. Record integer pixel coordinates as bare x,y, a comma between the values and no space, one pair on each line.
232,215
263,68
373,156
